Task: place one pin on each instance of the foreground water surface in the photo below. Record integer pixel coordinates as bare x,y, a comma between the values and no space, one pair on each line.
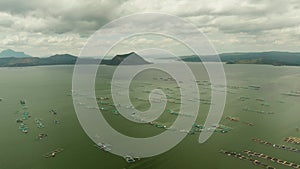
272,111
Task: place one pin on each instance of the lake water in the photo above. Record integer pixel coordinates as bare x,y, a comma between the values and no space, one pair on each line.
49,87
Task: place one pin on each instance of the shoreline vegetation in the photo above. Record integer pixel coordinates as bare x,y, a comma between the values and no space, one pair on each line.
265,58
274,58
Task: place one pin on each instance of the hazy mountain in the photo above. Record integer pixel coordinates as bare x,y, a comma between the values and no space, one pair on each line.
58,59
11,53
271,58
66,59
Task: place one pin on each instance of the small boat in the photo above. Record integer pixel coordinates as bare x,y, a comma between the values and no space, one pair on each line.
236,119
22,102
129,159
19,121
54,112
53,153
56,121
248,123
270,167
104,147
23,128
41,136
38,123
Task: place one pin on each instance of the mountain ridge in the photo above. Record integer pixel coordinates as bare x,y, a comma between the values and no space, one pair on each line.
128,59
276,58
11,53
66,59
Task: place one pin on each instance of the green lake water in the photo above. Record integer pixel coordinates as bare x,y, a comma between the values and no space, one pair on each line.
49,87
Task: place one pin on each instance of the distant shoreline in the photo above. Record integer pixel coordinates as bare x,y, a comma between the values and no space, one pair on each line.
266,58
263,58
51,65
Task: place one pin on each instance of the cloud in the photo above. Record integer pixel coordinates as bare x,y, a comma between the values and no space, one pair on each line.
232,25
61,16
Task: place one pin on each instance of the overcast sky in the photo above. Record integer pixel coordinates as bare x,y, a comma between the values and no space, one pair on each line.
42,28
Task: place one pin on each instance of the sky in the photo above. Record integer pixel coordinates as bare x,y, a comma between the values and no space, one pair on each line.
43,28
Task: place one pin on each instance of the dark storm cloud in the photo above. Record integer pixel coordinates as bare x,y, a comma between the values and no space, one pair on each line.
60,16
